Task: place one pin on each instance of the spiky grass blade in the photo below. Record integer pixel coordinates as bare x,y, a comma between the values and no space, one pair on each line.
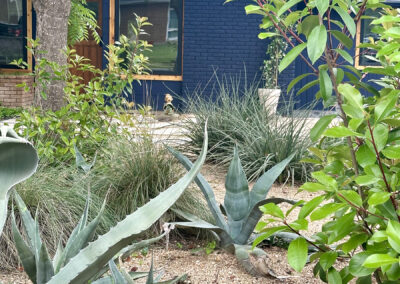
205,188
265,182
116,274
86,264
139,245
44,266
29,223
26,255
254,216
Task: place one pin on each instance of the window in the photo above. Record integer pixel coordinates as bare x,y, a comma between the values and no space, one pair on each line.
13,31
364,56
165,34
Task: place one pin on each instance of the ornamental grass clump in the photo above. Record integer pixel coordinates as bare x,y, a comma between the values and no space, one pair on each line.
80,260
236,117
133,172
58,195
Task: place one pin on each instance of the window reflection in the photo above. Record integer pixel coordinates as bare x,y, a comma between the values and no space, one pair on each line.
164,34
12,36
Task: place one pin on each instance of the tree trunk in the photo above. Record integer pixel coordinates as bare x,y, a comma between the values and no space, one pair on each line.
52,31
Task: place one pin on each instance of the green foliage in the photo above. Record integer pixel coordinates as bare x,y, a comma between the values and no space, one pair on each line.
6,112
123,277
82,23
94,111
236,117
58,210
80,261
276,50
133,172
358,183
236,223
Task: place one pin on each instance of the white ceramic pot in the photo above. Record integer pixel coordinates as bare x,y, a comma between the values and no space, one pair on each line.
269,98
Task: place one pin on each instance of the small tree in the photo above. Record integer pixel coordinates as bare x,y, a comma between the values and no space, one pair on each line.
359,177
52,30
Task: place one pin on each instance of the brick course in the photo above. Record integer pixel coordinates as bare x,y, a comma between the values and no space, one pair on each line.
13,96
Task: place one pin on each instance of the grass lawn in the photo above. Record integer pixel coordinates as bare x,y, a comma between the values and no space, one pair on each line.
163,56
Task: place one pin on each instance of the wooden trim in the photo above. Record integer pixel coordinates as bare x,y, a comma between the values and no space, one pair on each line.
14,71
183,35
159,77
111,39
29,32
29,59
357,49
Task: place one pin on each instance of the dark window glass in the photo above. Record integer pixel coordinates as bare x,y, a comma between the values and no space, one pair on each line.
12,31
165,34
366,35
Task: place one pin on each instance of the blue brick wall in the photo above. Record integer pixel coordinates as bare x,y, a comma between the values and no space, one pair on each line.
222,38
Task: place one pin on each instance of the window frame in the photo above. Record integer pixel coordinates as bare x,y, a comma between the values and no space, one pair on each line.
394,4
114,17
13,69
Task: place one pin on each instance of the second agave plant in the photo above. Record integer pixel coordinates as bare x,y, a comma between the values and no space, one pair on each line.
240,213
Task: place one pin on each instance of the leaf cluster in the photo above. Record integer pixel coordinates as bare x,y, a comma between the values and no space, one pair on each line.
358,183
93,111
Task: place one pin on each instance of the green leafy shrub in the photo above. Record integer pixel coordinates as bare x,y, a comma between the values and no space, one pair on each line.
276,50
131,172
92,112
6,112
81,261
82,23
358,181
236,117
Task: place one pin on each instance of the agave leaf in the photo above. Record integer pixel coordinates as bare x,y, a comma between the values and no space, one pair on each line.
60,260
84,218
195,222
108,279
127,251
138,246
236,200
177,279
254,216
127,277
150,277
25,253
81,162
265,182
59,252
92,258
205,188
44,266
28,223
116,274
18,161
81,239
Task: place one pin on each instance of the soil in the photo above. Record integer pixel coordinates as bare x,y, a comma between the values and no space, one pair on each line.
188,256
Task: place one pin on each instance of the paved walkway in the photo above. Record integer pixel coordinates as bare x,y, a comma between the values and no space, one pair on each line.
172,131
